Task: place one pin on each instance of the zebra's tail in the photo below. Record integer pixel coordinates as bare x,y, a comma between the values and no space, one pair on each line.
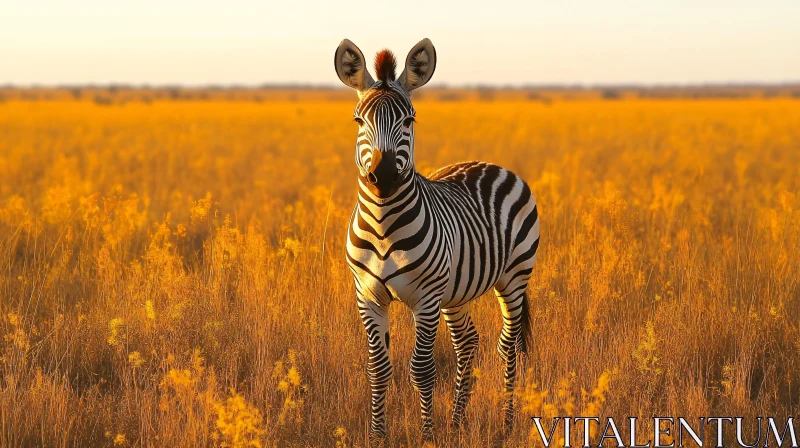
526,342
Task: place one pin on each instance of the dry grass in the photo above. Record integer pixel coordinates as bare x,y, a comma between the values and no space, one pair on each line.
172,273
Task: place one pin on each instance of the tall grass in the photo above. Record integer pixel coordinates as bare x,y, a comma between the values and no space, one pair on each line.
172,273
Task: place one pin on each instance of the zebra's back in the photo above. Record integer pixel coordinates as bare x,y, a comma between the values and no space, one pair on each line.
495,227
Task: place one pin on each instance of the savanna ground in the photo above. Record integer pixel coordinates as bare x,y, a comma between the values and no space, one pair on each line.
172,272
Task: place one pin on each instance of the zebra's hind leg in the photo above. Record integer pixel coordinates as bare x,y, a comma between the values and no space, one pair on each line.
423,368
465,343
514,308
379,367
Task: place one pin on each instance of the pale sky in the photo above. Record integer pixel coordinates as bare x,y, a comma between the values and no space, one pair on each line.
490,42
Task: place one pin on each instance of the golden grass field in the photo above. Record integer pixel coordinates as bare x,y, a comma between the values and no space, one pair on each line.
172,272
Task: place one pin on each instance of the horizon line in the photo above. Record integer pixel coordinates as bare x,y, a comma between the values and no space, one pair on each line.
439,86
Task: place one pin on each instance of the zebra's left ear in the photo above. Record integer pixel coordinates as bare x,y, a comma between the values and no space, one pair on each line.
420,64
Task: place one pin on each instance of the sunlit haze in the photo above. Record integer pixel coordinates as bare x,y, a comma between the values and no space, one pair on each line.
253,43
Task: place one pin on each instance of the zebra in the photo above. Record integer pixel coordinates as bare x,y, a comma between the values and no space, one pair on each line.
434,243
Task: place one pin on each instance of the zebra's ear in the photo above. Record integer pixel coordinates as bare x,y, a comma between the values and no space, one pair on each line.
351,67
420,64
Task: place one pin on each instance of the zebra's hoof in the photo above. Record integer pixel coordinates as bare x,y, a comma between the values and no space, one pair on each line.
427,439
377,440
458,425
508,428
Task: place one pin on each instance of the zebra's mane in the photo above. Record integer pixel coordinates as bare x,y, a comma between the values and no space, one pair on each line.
385,65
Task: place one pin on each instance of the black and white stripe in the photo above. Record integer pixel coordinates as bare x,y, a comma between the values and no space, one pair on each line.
435,244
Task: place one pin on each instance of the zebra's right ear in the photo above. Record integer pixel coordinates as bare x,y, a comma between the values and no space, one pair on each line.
351,67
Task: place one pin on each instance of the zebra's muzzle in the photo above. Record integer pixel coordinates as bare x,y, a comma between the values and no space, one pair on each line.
382,175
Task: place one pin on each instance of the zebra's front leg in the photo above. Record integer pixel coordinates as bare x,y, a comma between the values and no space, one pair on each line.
465,343
379,368
423,367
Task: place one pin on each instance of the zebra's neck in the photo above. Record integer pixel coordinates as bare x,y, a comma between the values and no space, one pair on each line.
384,211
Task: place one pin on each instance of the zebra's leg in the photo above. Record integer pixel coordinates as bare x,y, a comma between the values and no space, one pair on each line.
465,343
423,368
517,333
379,368
512,304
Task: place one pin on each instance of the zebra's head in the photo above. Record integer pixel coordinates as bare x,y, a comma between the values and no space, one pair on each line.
384,114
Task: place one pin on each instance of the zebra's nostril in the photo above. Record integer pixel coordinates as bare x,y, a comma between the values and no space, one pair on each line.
371,178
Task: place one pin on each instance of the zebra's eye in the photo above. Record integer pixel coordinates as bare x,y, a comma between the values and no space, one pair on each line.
359,121
407,122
